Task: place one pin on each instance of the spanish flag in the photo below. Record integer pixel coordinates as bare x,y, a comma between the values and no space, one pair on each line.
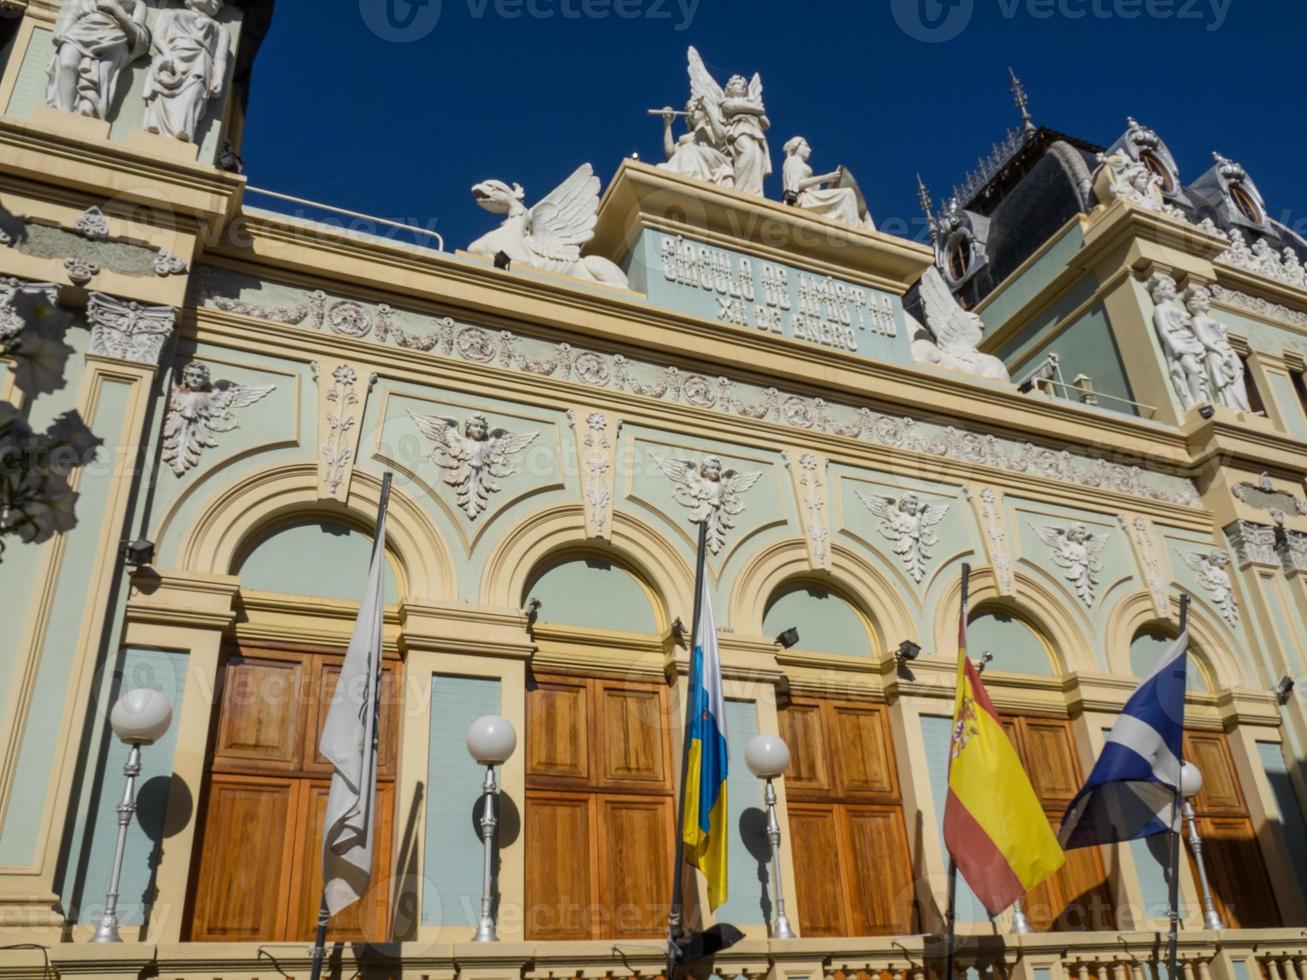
994,827
704,819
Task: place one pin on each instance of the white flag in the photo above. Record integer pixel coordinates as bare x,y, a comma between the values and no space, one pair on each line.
349,741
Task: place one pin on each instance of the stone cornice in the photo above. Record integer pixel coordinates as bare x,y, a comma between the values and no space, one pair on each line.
177,598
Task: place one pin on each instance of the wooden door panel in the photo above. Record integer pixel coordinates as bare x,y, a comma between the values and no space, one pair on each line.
635,840
1081,898
818,871
366,919
863,764
1050,759
632,726
880,870
560,846
801,728
1237,874
557,726
1221,793
326,676
245,864
260,723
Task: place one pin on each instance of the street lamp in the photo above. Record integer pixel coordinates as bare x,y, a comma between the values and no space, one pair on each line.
138,718
767,757
1191,784
490,741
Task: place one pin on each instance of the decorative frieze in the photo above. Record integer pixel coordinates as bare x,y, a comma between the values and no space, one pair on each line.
1213,569
1262,259
712,494
128,330
1265,496
199,410
808,473
475,459
1253,543
340,409
1255,304
596,446
909,526
1078,550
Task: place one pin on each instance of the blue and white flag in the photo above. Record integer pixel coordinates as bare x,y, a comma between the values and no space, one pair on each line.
1132,791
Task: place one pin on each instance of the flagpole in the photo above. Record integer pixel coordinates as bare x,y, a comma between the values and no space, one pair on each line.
324,913
950,914
1173,937
674,913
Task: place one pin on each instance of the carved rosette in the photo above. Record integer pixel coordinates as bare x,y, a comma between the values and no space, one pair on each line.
341,401
128,330
597,440
1253,544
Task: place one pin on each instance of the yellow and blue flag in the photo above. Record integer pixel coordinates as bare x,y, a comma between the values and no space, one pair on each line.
704,819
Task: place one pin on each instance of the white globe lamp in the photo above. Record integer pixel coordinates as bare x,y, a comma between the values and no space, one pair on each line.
767,756
491,740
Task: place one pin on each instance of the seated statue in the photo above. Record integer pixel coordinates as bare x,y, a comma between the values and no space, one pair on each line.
840,202
699,152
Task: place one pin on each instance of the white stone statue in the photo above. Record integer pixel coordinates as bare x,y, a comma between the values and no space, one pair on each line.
1078,550
550,235
199,410
1120,176
189,70
1186,357
909,526
1224,367
711,493
738,111
952,334
700,152
93,42
840,201
476,457
1213,569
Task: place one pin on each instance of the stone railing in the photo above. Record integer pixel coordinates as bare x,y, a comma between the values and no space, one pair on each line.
1270,954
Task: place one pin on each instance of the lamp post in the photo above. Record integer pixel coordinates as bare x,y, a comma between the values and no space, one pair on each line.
767,757
490,741
138,718
1191,784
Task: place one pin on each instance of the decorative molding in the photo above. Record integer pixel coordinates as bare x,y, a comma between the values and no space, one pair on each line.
1265,496
1213,569
1253,543
339,409
1261,259
711,494
128,330
808,473
596,447
1293,551
617,372
988,504
11,322
475,458
199,410
1140,531
908,526
1255,304
166,264
81,271
92,224
1078,550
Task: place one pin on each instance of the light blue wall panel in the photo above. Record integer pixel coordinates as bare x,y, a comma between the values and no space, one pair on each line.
451,886
751,892
826,623
318,558
1145,650
1290,812
1015,646
593,592
163,671
937,736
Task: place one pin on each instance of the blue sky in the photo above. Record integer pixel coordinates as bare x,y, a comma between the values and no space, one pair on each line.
384,107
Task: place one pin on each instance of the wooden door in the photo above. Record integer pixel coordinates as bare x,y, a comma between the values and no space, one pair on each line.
853,870
1236,871
1077,897
600,807
258,870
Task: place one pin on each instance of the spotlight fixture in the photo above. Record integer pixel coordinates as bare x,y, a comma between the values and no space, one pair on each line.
986,659
790,197
502,261
1206,411
789,639
138,553
1284,689
908,651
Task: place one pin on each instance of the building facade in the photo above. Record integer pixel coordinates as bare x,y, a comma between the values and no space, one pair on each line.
854,414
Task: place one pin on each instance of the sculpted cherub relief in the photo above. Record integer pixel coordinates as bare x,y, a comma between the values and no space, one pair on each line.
1078,550
1213,569
711,493
200,409
476,458
909,525
550,235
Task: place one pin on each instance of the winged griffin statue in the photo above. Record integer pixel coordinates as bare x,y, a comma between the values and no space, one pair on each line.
1078,550
909,526
476,457
711,493
200,409
550,235
951,334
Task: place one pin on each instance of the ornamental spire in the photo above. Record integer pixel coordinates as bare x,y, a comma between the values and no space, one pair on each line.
1022,101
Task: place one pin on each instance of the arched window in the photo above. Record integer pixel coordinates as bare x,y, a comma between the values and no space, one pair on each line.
595,592
959,258
1154,640
826,621
1151,161
320,558
1246,204
1017,646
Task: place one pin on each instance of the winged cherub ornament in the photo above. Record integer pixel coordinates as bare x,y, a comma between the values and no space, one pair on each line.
199,409
952,334
476,458
909,526
550,235
1078,550
737,111
1213,568
711,493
